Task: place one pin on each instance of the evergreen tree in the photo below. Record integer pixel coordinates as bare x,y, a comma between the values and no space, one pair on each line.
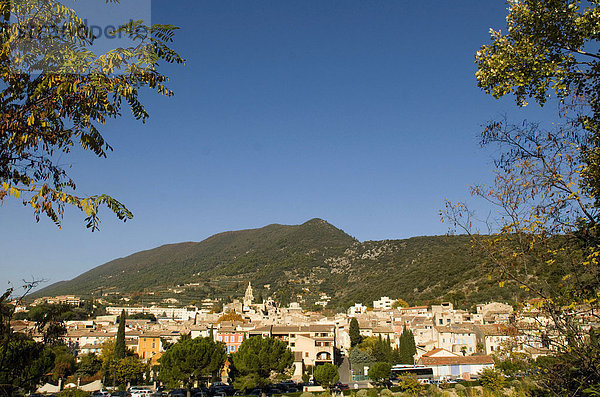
326,375
382,350
354,331
258,359
190,360
120,342
408,347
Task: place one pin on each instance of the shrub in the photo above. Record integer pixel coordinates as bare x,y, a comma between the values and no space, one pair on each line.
434,391
492,379
325,394
411,385
73,393
306,394
461,390
372,393
362,393
386,393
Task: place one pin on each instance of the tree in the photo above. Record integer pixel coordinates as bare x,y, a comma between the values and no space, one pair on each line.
551,47
410,385
382,350
380,373
258,359
64,362
491,379
192,359
231,316
120,348
50,322
399,303
354,332
23,361
326,375
89,365
408,347
361,358
543,233
55,94
129,370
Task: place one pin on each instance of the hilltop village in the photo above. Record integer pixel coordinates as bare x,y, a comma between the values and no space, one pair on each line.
455,344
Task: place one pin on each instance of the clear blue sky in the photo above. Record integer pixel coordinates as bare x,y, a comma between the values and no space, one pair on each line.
363,113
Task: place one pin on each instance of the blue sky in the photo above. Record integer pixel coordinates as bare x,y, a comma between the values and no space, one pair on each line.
363,113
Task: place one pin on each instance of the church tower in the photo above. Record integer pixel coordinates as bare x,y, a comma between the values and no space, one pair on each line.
248,296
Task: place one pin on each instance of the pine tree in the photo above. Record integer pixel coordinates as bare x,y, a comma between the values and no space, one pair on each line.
120,342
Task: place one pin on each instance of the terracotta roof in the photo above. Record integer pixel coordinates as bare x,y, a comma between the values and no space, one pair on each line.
383,330
456,360
432,352
151,334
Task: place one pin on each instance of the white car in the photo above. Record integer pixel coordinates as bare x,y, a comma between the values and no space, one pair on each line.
141,393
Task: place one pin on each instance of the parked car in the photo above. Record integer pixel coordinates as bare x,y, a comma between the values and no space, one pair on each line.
101,393
340,386
178,393
118,393
141,393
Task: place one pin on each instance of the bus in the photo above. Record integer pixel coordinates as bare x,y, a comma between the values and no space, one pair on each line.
420,371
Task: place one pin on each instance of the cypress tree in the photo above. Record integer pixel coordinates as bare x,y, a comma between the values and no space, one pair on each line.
408,348
354,331
120,342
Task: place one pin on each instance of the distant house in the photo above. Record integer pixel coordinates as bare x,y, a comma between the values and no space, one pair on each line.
231,338
384,303
460,339
315,342
149,345
448,365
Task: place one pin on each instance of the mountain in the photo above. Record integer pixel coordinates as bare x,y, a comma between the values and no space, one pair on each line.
298,262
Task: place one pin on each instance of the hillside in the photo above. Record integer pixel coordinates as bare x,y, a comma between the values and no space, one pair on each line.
297,263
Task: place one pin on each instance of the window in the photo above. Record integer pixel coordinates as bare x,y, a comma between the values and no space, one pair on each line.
226,338
292,344
292,335
441,321
153,345
306,354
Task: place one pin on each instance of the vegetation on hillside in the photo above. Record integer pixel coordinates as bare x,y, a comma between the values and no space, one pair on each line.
298,263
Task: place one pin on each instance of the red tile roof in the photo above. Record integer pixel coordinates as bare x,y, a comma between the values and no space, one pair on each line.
456,360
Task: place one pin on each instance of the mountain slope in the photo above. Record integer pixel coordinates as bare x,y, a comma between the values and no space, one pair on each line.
299,263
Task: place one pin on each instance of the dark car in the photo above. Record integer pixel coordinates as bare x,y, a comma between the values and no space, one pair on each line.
340,386
220,389
118,393
178,393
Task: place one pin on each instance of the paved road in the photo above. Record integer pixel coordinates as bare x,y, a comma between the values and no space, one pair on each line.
344,370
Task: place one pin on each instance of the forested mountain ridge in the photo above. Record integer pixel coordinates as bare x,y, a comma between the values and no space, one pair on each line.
299,263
